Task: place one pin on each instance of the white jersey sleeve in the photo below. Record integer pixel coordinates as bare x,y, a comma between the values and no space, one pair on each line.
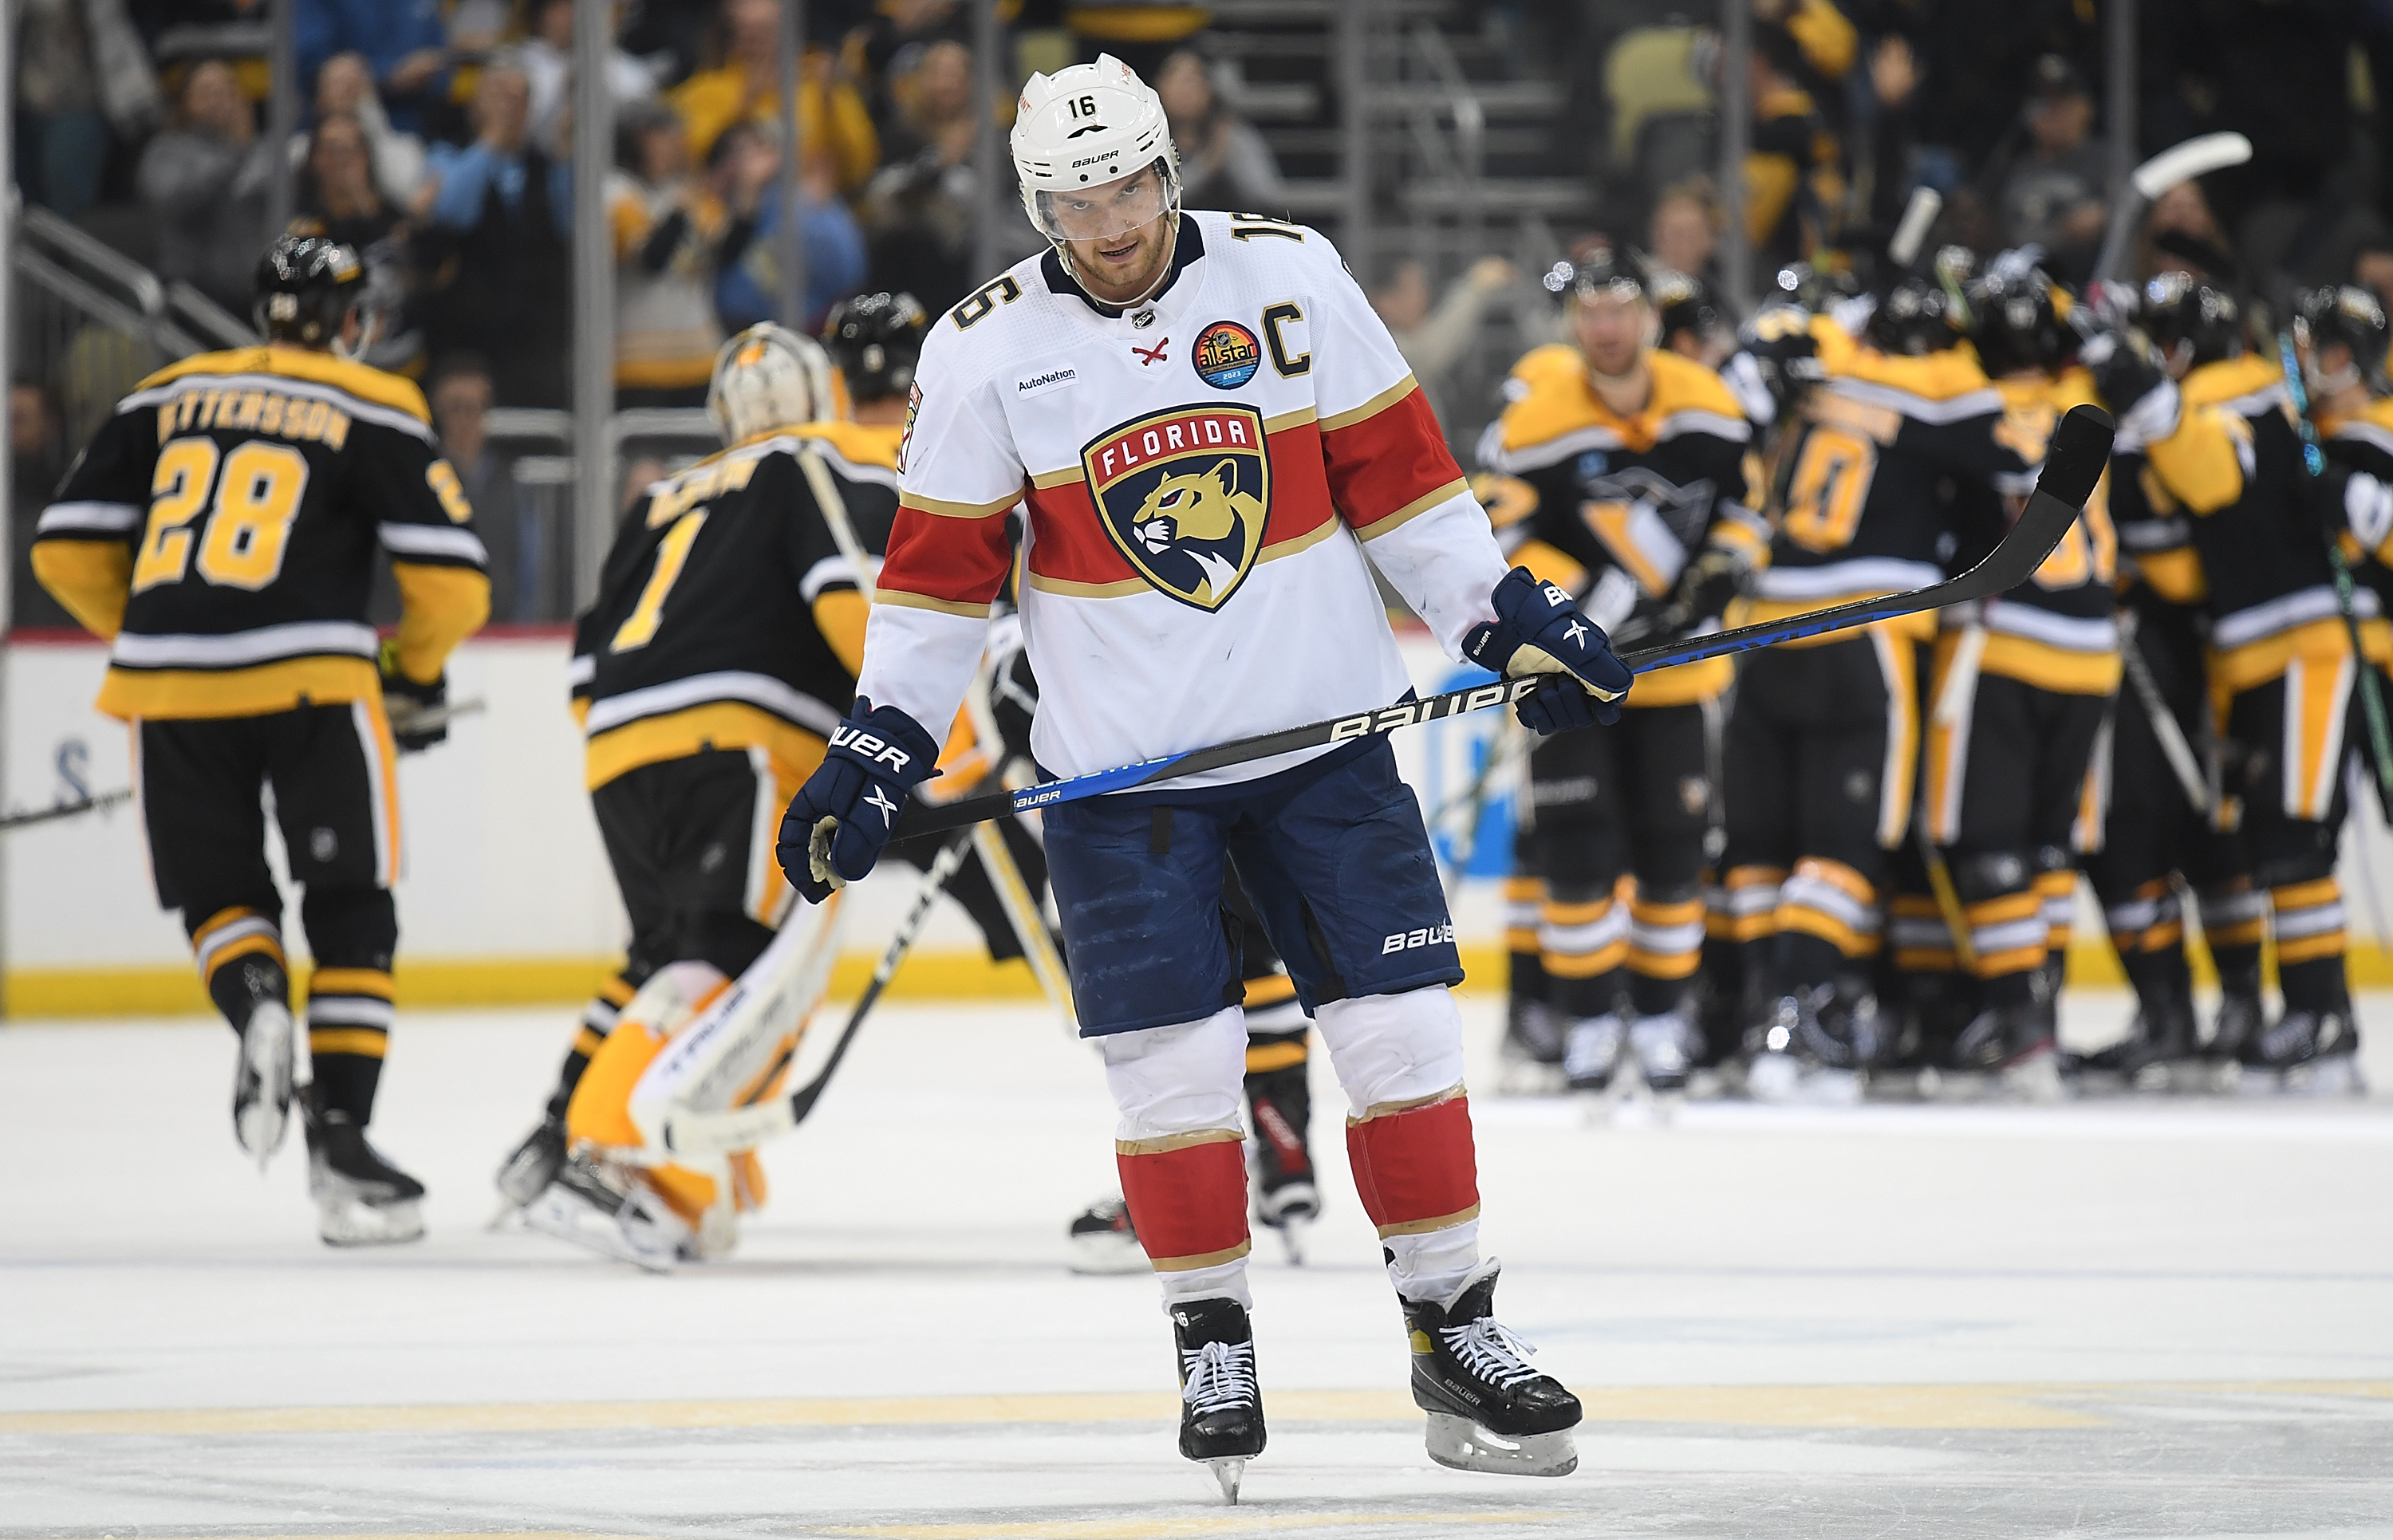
948,552
1394,481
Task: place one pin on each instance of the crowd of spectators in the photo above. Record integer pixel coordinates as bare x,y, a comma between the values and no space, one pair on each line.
437,136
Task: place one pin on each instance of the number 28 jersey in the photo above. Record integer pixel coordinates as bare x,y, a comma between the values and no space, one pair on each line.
221,531
1203,475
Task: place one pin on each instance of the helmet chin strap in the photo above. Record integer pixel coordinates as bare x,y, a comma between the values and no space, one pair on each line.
1162,271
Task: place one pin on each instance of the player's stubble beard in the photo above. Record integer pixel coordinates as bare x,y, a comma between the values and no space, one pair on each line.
1145,271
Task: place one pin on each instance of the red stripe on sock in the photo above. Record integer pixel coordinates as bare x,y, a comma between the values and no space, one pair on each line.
1187,1203
1415,1165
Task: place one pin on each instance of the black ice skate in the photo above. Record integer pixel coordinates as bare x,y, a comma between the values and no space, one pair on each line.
535,1162
626,1222
2304,1053
261,1080
1286,1197
2157,1054
2238,1022
1533,1047
2013,1046
1489,1409
1104,1240
362,1199
1221,1407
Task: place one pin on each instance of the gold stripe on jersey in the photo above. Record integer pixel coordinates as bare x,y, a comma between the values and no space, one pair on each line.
1944,375
678,735
350,980
859,443
1410,511
944,607
1368,410
944,509
2064,671
91,579
362,381
187,693
1312,538
367,1043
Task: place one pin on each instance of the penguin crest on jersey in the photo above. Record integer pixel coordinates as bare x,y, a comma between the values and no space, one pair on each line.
1185,494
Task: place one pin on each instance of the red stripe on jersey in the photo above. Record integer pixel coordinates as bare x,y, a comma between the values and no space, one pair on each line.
960,560
1069,543
1187,1203
1415,1165
1389,460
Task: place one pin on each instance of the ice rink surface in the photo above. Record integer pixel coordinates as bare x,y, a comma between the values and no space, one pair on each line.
2116,1318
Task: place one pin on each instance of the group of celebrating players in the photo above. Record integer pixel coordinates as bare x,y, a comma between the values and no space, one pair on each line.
1127,501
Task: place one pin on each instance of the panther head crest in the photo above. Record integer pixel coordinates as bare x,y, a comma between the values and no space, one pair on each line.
1201,515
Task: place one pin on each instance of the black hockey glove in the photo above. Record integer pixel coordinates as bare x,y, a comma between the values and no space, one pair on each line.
840,819
1538,631
1712,579
2135,386
409,705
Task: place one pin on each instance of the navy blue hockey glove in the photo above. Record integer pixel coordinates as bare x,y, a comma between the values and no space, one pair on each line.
1538,631
411,706
839,820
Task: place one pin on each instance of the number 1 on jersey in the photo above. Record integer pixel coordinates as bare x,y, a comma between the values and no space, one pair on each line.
639,628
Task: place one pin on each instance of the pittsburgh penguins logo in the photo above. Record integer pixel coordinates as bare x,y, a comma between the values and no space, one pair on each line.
1185,494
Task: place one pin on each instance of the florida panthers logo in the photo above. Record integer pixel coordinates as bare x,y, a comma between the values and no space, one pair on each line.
1185,494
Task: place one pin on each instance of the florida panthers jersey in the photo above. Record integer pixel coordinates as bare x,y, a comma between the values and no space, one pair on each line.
1203,475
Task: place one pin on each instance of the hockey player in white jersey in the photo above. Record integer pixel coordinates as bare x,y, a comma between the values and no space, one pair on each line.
1210,429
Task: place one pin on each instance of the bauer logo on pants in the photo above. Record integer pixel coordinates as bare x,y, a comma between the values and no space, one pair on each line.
1185,494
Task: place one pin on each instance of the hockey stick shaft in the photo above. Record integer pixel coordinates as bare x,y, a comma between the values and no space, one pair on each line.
2180,163
67,810
2080,448
700,1134
2182,761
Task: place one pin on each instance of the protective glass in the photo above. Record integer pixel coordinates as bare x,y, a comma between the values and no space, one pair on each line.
1114,208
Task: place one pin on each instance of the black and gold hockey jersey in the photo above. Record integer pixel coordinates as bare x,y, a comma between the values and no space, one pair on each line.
2363,442
1610,507
220,531
696,639
2233,466
2058,631
1863,475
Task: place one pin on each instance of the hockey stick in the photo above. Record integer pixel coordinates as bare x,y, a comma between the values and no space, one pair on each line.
2079,449
2179,753
67,810
2180,162
2347,594
698,1135
428,719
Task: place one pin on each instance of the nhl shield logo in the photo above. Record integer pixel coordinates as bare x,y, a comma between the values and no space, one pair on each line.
1185,494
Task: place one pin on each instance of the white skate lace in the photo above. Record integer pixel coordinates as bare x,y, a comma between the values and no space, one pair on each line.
1492,1351
1217,1376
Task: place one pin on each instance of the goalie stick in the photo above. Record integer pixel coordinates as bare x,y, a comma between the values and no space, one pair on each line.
2079,449
698,1135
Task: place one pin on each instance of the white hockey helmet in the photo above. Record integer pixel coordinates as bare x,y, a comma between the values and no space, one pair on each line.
768,377
1079,129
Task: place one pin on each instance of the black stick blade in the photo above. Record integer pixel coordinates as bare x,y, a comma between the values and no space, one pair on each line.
2075,458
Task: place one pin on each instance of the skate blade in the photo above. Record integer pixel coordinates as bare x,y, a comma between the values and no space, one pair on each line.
2338,1076
508,1208
347,1222
560,1213
1459,1443
1100,1254
1228,1473
1291,1236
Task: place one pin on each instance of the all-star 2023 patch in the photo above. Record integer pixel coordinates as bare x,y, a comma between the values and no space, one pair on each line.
1228,355
1184,493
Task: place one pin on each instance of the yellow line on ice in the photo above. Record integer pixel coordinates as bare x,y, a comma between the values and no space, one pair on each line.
1822,1406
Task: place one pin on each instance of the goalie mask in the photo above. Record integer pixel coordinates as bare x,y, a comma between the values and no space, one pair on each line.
1093,151
768,377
